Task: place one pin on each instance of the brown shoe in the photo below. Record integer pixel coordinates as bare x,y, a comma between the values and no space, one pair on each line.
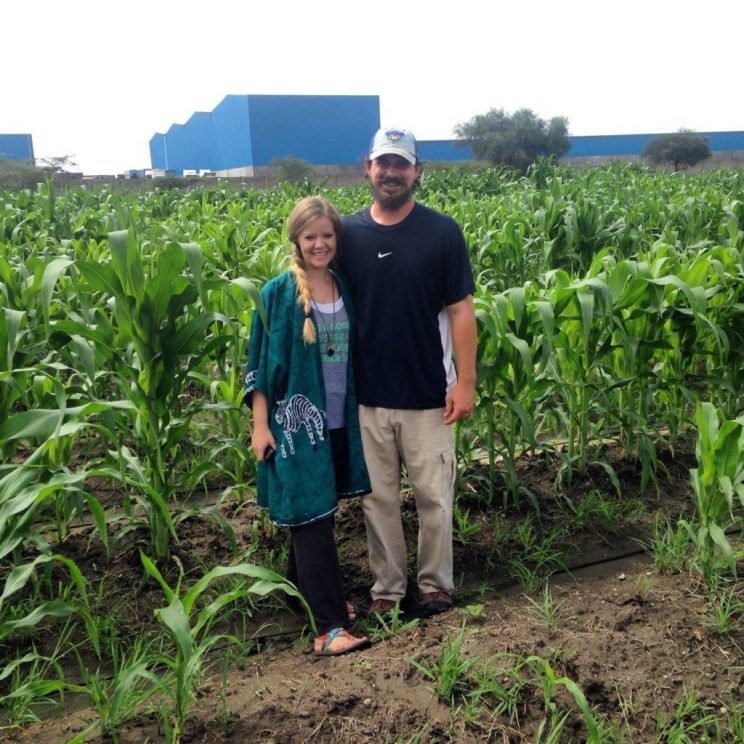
381,607
435,602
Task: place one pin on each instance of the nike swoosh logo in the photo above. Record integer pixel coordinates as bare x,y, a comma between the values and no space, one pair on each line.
382,255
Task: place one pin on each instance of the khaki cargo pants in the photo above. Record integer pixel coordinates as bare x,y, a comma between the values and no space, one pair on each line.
420,441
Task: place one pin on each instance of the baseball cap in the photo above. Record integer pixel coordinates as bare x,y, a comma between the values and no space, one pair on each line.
394,142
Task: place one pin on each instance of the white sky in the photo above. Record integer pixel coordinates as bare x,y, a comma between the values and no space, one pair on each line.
97,78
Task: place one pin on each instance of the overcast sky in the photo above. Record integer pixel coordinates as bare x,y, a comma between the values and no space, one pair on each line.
96,79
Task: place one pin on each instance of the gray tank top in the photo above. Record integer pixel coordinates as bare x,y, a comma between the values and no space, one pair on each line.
332,321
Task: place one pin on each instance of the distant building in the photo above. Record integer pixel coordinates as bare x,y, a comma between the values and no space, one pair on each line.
617,146
17,147
244,133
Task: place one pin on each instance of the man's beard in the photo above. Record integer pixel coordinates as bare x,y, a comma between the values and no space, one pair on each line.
392,202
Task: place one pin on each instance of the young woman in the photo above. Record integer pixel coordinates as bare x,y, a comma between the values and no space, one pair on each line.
305,427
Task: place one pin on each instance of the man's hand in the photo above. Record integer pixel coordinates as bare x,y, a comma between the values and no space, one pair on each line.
459,403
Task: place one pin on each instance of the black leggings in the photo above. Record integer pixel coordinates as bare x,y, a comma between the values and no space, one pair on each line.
313,560
313,566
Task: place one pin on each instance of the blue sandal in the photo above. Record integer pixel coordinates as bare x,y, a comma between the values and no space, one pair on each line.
338,641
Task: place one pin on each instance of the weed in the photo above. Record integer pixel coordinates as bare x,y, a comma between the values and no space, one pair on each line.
223,712
417,738
450,673
603,514
476,612
547,608
30,682
725,607
463,528
643,584
500,687
692,721
670,545
537,557
382,627
628,706
734,727
117,697
554,733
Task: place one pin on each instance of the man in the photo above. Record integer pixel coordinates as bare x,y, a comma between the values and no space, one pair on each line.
410,277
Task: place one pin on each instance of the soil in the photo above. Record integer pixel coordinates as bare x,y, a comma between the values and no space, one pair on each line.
636,642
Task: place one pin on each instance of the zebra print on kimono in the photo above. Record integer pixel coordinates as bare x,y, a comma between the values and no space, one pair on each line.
296,412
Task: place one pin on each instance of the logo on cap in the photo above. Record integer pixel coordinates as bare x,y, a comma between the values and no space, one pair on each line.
394,135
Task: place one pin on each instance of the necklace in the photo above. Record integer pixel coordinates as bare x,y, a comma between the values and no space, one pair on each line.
329,350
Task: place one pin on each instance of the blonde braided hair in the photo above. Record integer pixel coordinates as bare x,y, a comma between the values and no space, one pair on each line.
308,210
303,300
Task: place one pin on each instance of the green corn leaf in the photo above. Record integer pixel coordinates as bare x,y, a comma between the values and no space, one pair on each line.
55,608
195,260
161,287
52,272
174,617
719,538
13,321
249,288
586,303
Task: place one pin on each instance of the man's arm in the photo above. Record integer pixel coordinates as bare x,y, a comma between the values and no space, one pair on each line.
461,398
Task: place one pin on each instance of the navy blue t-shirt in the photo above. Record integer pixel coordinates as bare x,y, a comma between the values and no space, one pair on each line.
401,279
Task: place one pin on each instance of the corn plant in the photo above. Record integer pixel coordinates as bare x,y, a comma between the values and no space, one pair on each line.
59,608
118,696
31,680
156,336
581,341
547,680
43,478
193,641
716,481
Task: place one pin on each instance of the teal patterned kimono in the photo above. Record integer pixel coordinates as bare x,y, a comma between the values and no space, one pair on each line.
298,484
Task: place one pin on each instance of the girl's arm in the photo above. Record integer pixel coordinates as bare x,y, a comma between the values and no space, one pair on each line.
262,438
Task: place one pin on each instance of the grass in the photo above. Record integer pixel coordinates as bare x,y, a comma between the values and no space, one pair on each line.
605,514
451,672
546,608
535,555
725,609
669,546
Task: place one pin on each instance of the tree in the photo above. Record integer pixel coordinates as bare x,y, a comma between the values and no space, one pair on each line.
290,168
56,163
682,149
19,174
516,140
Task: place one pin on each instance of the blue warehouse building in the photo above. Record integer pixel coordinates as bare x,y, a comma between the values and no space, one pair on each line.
619,145
245,132
17,147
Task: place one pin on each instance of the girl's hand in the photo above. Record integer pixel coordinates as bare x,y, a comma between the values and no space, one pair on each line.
261,440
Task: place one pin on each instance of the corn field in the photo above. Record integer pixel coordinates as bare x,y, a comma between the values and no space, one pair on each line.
610,309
